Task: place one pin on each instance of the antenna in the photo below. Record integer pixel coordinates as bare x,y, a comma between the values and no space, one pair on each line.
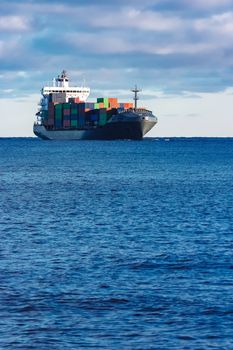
136,98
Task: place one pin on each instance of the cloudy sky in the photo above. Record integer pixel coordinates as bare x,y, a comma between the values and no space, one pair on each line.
180,52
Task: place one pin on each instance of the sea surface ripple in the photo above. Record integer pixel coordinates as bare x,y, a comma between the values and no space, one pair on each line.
116,245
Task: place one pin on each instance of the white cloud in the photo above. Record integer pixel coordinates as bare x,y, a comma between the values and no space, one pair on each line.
139,19
9,47
12,23
218,24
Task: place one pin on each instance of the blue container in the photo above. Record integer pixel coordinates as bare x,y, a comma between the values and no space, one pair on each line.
74,116
89,105
58,124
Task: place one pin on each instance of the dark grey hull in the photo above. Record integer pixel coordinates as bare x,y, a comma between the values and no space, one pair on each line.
132,127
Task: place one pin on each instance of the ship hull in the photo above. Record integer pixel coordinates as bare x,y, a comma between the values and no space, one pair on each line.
134,130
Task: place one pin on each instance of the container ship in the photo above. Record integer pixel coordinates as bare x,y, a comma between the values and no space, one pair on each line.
65,114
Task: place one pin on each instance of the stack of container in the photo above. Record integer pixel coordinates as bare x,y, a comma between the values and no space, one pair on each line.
66,115
74,115
51,114
81,114
128,105
58,116
89,105
92,116
74,100
103,102
58,97
113,102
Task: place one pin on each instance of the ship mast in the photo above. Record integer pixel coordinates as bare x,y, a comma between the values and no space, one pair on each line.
135,90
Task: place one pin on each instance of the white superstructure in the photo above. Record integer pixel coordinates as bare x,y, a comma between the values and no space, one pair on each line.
61,85
60,88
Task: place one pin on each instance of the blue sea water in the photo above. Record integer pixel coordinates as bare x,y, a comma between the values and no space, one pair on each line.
116,245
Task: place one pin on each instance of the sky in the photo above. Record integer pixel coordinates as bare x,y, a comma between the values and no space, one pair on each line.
179,52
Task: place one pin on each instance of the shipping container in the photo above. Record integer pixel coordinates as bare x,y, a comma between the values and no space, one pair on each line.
89,105
128,105
58,112
74,99
58,97
113,102
74,123
113,99
74,116
58,123
81,110
74,107
66,112
81,121
104,100
66,123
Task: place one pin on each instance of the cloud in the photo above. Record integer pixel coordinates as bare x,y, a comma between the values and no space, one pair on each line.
208,4
139,19
159,42
14,23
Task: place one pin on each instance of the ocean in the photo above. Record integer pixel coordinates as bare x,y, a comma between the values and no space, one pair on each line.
116,244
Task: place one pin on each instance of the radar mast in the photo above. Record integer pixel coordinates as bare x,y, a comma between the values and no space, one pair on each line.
136,90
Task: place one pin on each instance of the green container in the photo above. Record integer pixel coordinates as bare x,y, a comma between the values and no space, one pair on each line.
102,99
58,112
58,106
74,111
66,105
74,123
96,106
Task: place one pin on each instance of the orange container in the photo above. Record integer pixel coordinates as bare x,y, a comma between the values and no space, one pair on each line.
113,100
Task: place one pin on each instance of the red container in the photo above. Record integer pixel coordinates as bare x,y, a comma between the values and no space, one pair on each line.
74,99
66,123
66,111
51,109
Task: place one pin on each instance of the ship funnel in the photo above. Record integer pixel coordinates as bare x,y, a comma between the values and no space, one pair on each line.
136,90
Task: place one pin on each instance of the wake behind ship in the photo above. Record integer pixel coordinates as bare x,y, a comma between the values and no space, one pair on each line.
64,114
